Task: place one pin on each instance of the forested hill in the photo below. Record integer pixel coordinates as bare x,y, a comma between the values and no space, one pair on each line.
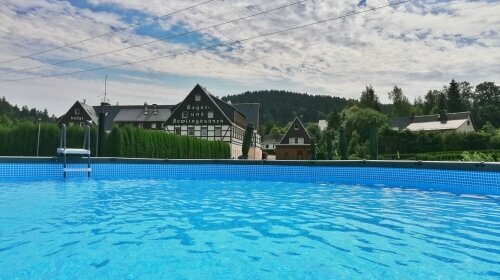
11,113
277,106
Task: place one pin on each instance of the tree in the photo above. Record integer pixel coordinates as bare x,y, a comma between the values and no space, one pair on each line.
315,131
343,143
369,99
466,95
455,103
442,102
418,106
431,99
334,120
247,141
329,145
373,142
401,104
486,104
360,119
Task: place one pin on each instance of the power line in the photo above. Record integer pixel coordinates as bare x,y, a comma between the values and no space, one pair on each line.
108,33
211,46
157,40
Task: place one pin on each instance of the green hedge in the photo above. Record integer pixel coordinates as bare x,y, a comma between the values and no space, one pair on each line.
21,140
134,142
407,142
440,156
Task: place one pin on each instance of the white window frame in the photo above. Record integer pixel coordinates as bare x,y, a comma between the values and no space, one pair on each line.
219,129
204,131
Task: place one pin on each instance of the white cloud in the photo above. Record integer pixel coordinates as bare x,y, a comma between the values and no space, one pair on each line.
419,46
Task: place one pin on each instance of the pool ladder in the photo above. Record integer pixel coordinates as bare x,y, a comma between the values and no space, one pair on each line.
84,151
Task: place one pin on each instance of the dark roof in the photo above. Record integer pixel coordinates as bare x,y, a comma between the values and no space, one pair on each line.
251,112
403,122
90,111
132,113
226,108
301,132
272,138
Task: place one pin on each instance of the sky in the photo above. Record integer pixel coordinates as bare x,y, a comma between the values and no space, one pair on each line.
419,45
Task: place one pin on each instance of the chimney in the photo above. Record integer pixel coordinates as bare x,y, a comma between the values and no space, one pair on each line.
443,117
155,109
145,108
412,117
84,101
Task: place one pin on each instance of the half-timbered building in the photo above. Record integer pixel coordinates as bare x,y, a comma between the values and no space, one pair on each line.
203,115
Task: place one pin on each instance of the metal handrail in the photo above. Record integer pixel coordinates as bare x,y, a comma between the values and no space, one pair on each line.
62,143
86,139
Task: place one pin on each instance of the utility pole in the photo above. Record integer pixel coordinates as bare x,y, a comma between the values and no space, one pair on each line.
102,115
38,139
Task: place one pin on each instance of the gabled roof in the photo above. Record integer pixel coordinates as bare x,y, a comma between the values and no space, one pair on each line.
431,122
300,132
224,108
251,112
272,139
90,111
138,115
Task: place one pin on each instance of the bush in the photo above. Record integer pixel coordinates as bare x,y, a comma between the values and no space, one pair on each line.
135,142
21,140
490,155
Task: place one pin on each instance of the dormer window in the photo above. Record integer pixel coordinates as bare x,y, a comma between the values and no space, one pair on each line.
197,97
295,127
77,111
184,114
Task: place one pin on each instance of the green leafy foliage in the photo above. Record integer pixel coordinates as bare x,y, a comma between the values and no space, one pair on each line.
343,143
21,140
369,99
373,142
487,155
477,156
134,142
247,141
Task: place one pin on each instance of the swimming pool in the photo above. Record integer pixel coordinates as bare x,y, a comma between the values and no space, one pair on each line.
296,224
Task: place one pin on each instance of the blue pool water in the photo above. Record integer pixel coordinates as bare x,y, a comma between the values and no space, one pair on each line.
217,229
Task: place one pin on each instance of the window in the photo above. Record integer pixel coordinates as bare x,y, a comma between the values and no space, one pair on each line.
197,97
296,127
210,114
178,130
218,131
139,125
191,131
267,146
204,131
468,122
77,111
184,114
82,124
153,126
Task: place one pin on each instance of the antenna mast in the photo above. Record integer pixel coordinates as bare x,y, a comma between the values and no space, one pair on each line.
105,88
